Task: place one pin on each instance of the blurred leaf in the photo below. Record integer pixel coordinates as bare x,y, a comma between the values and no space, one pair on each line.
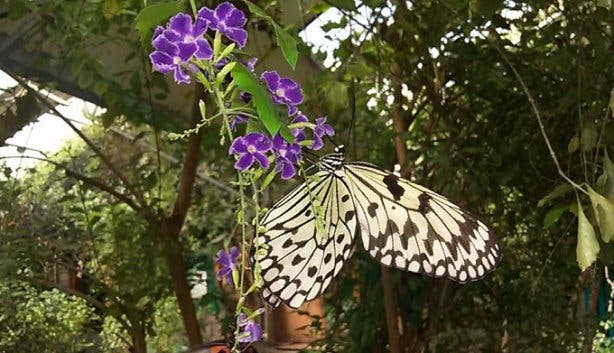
110,8
589,135
558,191
344,4
612,101
153,15
553,215
267,111
604,213
574,144
588,247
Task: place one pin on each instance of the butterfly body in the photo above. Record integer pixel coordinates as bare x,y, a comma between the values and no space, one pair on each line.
312,231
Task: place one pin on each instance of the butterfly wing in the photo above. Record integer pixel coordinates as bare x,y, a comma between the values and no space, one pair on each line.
298,262
409,227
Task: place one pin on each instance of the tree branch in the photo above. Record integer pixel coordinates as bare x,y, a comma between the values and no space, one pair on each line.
90,181
85,139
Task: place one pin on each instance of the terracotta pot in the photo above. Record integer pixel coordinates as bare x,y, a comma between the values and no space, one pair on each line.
220,346
289,329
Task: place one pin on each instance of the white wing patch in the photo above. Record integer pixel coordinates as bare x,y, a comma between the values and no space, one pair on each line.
409,227
299,264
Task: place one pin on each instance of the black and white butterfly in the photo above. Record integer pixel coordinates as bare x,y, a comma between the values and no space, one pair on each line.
401,225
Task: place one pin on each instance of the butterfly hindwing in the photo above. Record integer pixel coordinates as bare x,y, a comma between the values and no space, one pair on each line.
411,228
298,263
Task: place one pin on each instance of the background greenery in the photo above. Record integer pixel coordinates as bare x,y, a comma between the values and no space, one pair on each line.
439,75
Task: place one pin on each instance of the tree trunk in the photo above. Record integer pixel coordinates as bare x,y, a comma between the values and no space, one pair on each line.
171,229
181,287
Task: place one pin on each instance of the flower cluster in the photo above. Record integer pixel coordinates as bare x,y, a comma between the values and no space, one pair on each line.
183,39
256,146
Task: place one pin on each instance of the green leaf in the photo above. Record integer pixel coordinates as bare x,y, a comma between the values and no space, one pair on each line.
558,191
604,213
612,101
344,4
256,10
588,246
285,41
267,111
589,135
554,214
153,15
287,44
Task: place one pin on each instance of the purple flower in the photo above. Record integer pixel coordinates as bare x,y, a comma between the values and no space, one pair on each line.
284,90
181,29
250,331
228,20
250,147
321,129
287,155
237,119
177,43
251,65
299,132
227,262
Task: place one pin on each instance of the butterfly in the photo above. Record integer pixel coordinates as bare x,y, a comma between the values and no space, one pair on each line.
312,231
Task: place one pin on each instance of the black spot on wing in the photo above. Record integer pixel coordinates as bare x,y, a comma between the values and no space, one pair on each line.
424,206
371,209
392,182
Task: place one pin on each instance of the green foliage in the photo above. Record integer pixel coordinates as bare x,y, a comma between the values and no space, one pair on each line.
43,321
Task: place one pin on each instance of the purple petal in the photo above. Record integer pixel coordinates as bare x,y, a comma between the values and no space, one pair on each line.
181,23
291,110
317,143
234,254
157,32
300,118
200,27
244,162
208,15
237,146
186,50
278,142
251,138
181,76
245,97
223,10
263,145
161,62
262,160
172,35
237,35
204,50
251,64
162,44
235,19
288,171
292,92
271,78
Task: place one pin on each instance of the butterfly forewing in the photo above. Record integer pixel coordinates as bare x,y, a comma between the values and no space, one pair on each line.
411,228
300,259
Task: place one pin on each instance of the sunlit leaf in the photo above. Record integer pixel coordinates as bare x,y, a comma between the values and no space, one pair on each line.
588,246
604,212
